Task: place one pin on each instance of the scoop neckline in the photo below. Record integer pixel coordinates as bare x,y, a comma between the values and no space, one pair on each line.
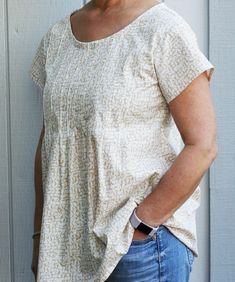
113,35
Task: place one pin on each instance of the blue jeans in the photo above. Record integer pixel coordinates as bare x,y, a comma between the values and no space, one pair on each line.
165,259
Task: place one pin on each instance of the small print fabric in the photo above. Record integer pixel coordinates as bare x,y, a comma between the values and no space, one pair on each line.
109,138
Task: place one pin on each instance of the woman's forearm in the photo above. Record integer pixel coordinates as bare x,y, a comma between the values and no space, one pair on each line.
177,184
38,187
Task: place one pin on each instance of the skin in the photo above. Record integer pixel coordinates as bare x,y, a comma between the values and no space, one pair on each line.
38,202
100,18
192,112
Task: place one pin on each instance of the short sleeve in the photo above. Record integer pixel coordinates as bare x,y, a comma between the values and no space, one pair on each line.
37,70
178,60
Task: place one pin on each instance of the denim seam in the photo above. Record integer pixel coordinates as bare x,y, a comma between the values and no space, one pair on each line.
190,260
161,268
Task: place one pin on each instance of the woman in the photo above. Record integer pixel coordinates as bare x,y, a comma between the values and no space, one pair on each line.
124,82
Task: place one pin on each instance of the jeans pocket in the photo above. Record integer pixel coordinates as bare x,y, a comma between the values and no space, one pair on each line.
142,241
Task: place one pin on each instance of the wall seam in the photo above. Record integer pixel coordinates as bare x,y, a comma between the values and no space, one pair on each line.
209,175
9,148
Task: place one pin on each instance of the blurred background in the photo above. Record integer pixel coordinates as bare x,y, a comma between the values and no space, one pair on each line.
22,24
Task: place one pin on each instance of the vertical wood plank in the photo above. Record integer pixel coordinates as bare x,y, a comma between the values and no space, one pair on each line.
222,176
5,185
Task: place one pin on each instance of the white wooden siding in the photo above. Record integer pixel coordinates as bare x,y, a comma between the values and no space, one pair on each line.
222,172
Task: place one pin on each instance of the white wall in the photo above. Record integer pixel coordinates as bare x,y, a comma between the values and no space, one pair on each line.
222,176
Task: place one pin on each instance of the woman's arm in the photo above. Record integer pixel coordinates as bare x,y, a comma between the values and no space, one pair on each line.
38,184
194,116
38,203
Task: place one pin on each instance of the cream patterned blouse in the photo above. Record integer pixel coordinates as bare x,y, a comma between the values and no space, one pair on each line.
109,137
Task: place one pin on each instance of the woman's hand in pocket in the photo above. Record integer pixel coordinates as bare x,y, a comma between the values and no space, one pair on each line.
138,235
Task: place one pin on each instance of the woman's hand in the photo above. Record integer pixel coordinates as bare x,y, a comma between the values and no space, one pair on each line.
34,264
138,235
